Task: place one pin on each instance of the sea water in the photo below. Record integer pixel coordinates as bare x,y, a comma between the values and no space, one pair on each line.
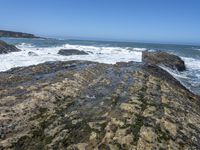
105,52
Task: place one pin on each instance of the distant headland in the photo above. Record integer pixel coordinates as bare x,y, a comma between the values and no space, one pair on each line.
4,33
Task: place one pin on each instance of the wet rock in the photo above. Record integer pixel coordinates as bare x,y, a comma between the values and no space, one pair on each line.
163,58
68,52
32,54
7,48
61,105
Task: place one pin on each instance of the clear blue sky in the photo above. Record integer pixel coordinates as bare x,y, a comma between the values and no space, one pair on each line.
165,21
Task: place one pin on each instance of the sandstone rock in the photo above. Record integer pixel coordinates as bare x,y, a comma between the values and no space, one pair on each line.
171,127
129,107
148,134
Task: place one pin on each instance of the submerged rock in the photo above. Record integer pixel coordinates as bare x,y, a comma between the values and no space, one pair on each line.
7,48
68,52
32,54
88,105
163,58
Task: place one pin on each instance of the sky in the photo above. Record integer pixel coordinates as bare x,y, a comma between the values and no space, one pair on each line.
160,21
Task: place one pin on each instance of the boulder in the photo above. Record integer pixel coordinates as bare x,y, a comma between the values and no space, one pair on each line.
32,54
7,48
163,58
68,52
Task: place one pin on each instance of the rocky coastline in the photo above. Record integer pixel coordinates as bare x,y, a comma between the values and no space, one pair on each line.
4,33
87,105
7,48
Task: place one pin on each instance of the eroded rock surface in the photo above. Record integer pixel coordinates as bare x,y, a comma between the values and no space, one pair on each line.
7,48
163,58
86,105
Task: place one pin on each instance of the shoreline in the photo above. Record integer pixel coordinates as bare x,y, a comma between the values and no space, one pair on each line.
35,51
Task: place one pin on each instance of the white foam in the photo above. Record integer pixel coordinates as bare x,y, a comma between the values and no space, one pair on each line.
27,45
189,78
139,49
193,68
108,55
192,63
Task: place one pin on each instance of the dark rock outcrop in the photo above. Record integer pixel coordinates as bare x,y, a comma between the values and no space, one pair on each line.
68,52
163,58
13,34
32,54
88,105
7,48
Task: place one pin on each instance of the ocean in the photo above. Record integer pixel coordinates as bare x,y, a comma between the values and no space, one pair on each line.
104,52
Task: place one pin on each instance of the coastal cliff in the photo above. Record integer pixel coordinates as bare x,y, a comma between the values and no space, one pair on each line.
88,105
4,33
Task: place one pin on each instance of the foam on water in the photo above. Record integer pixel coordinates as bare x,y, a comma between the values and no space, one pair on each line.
108,55
191,77
192,63
26,45
104,52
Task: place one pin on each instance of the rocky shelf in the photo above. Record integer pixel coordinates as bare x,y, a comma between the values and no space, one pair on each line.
87,105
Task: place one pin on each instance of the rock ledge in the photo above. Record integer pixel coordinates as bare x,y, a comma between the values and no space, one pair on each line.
163,58
88,105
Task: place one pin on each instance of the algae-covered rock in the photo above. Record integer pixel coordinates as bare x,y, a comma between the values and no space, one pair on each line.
87,105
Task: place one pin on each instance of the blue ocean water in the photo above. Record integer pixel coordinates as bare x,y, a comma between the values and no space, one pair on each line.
102,51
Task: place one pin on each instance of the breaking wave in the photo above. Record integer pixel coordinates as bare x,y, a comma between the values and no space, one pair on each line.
101,54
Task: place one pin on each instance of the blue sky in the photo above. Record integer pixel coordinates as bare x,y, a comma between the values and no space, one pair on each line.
162,21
